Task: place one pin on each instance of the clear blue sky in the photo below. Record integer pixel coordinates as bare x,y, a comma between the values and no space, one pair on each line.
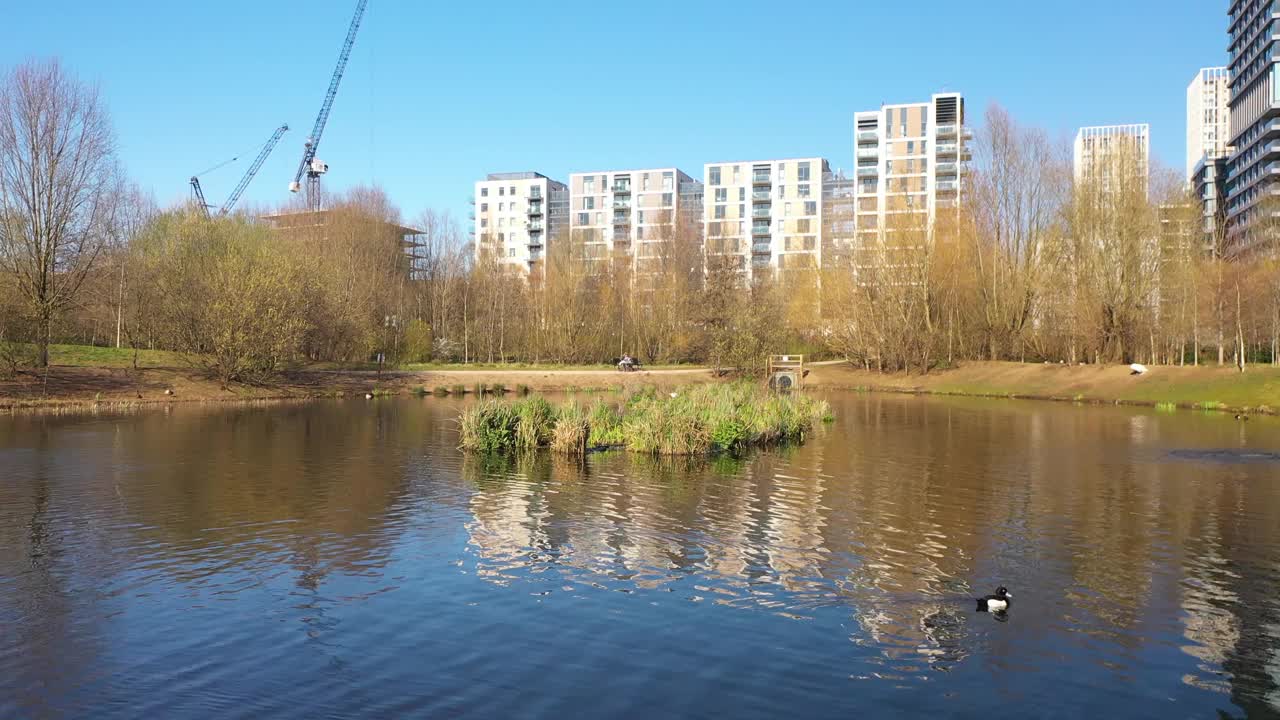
439,93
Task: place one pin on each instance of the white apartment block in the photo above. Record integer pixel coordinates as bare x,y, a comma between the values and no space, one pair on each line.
630,212
516,216
1208,117
1100,150
911,161
765,214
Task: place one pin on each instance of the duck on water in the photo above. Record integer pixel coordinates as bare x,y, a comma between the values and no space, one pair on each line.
996,602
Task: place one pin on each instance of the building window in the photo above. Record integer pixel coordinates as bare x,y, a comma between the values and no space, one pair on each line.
484,207
501,237
484,222
599,218
782,191
802,225
782,171
588,203
720,212
722,194
502,222
588,185
787,209
802,172
511,252
810,207
737,175
713,176
484,192
584,218
802,191
668,181
501,191
667,200
644,181
512,191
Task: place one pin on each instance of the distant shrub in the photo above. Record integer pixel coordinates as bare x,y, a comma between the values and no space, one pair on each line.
498,389
522,390
458,390
440,391
446,350
417,342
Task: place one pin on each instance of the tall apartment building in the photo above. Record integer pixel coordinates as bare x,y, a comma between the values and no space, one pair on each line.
765,215
1208,129
1208,116
1255,112
632,212
517,215
911,162
1102,152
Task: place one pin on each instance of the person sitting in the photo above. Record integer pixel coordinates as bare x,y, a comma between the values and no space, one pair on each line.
626,363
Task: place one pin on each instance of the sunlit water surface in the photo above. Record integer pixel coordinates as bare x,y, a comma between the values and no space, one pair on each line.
343,559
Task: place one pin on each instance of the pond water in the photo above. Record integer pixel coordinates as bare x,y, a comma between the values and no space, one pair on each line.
343,559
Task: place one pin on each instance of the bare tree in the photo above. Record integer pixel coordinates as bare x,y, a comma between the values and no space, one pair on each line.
59,185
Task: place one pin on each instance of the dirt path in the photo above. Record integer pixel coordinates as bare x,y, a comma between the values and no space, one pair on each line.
79,386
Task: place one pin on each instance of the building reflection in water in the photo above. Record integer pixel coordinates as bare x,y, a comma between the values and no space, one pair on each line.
916,509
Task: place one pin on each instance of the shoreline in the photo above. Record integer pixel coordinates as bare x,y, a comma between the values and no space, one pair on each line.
89,389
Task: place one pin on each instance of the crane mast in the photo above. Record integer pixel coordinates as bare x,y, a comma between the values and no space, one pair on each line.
310,166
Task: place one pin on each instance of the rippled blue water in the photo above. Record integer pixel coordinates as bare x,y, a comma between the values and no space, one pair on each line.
342,559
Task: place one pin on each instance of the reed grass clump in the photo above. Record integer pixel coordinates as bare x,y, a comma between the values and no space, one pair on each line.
458,390
488,426
697,420
535,423
440,391
572,430
522,390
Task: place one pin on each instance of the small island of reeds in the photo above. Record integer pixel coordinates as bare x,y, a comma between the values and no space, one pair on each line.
695,420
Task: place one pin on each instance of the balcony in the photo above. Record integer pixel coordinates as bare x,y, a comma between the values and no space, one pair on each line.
946,168
622,189
947,185
946,148
621,204
947,130
535,194
868,136
760,230
760,194
868,172
871,154
535,210
534,227
760,178
761,249
761,211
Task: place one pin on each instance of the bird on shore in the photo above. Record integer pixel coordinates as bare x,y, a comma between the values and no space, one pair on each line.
1242,417
995,602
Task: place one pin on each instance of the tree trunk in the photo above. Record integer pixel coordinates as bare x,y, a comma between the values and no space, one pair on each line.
45,331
